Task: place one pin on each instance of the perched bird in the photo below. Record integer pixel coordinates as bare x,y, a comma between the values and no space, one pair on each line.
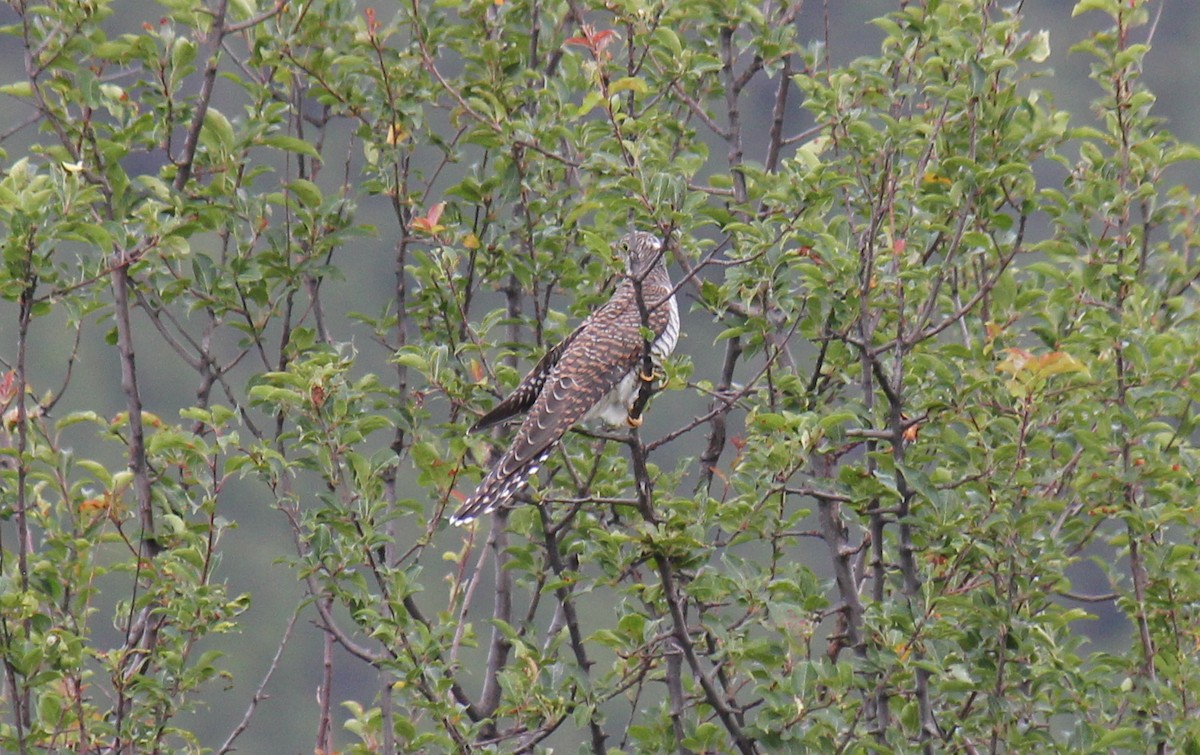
593,374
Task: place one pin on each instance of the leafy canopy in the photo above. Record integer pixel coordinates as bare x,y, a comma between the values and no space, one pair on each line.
264,263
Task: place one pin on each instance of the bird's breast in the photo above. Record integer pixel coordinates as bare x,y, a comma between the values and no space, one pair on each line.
665,343
613,407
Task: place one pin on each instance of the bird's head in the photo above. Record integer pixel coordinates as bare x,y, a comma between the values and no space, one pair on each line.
640,251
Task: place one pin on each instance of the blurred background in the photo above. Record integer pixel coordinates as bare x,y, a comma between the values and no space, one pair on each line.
252,551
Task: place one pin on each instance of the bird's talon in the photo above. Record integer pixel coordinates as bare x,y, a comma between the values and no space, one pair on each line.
634,421
648,378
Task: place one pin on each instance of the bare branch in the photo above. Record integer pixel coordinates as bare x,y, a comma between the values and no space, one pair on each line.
260,694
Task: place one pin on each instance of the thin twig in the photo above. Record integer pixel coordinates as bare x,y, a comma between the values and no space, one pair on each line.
260,694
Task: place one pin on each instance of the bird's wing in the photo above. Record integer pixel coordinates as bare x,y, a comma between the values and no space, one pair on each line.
526,392
598,354
605,348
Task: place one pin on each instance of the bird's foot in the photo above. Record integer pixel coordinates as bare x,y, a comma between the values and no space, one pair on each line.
648,378
634,421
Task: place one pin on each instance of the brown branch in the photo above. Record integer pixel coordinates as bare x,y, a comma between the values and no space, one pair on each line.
984,289
717,433
733,137
19,695
699,111
835,534
566,604
187,157
1106,597
266,15
133,405
499,647
675,603
456,690
155,312
775,141
324,744
260,694
674,655
726,401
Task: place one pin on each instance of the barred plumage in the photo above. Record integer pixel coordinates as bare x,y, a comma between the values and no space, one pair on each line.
592,374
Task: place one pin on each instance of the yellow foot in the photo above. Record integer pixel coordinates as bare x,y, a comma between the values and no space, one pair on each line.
648,378
634,421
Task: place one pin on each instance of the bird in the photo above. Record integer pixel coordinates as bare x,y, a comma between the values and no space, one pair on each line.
594,373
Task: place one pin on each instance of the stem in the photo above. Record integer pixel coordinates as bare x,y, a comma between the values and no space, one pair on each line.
260,694
566,603
141,635
675,604
733,136
717,435
20,694
324,743
133,405
674,656
489,699
187,158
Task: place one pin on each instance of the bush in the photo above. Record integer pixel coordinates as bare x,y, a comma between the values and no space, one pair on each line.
949,418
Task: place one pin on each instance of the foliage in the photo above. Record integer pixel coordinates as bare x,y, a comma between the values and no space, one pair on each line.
956,367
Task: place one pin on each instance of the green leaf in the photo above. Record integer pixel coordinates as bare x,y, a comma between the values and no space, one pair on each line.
17,89
669,39
291,144
628,83
244,9
97,470
1039,47
217,132
75,418
306,191
1083,6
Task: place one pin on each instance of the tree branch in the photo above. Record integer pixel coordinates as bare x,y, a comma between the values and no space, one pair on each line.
187,158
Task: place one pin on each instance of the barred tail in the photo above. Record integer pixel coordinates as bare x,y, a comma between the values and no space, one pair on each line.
505,480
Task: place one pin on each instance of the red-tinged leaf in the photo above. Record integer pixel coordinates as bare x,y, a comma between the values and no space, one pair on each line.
1059,363
99,503
1015,361
316,394
429,222
809,253
6,386
601,39
595,41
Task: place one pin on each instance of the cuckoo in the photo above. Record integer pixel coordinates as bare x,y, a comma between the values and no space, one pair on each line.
593,374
